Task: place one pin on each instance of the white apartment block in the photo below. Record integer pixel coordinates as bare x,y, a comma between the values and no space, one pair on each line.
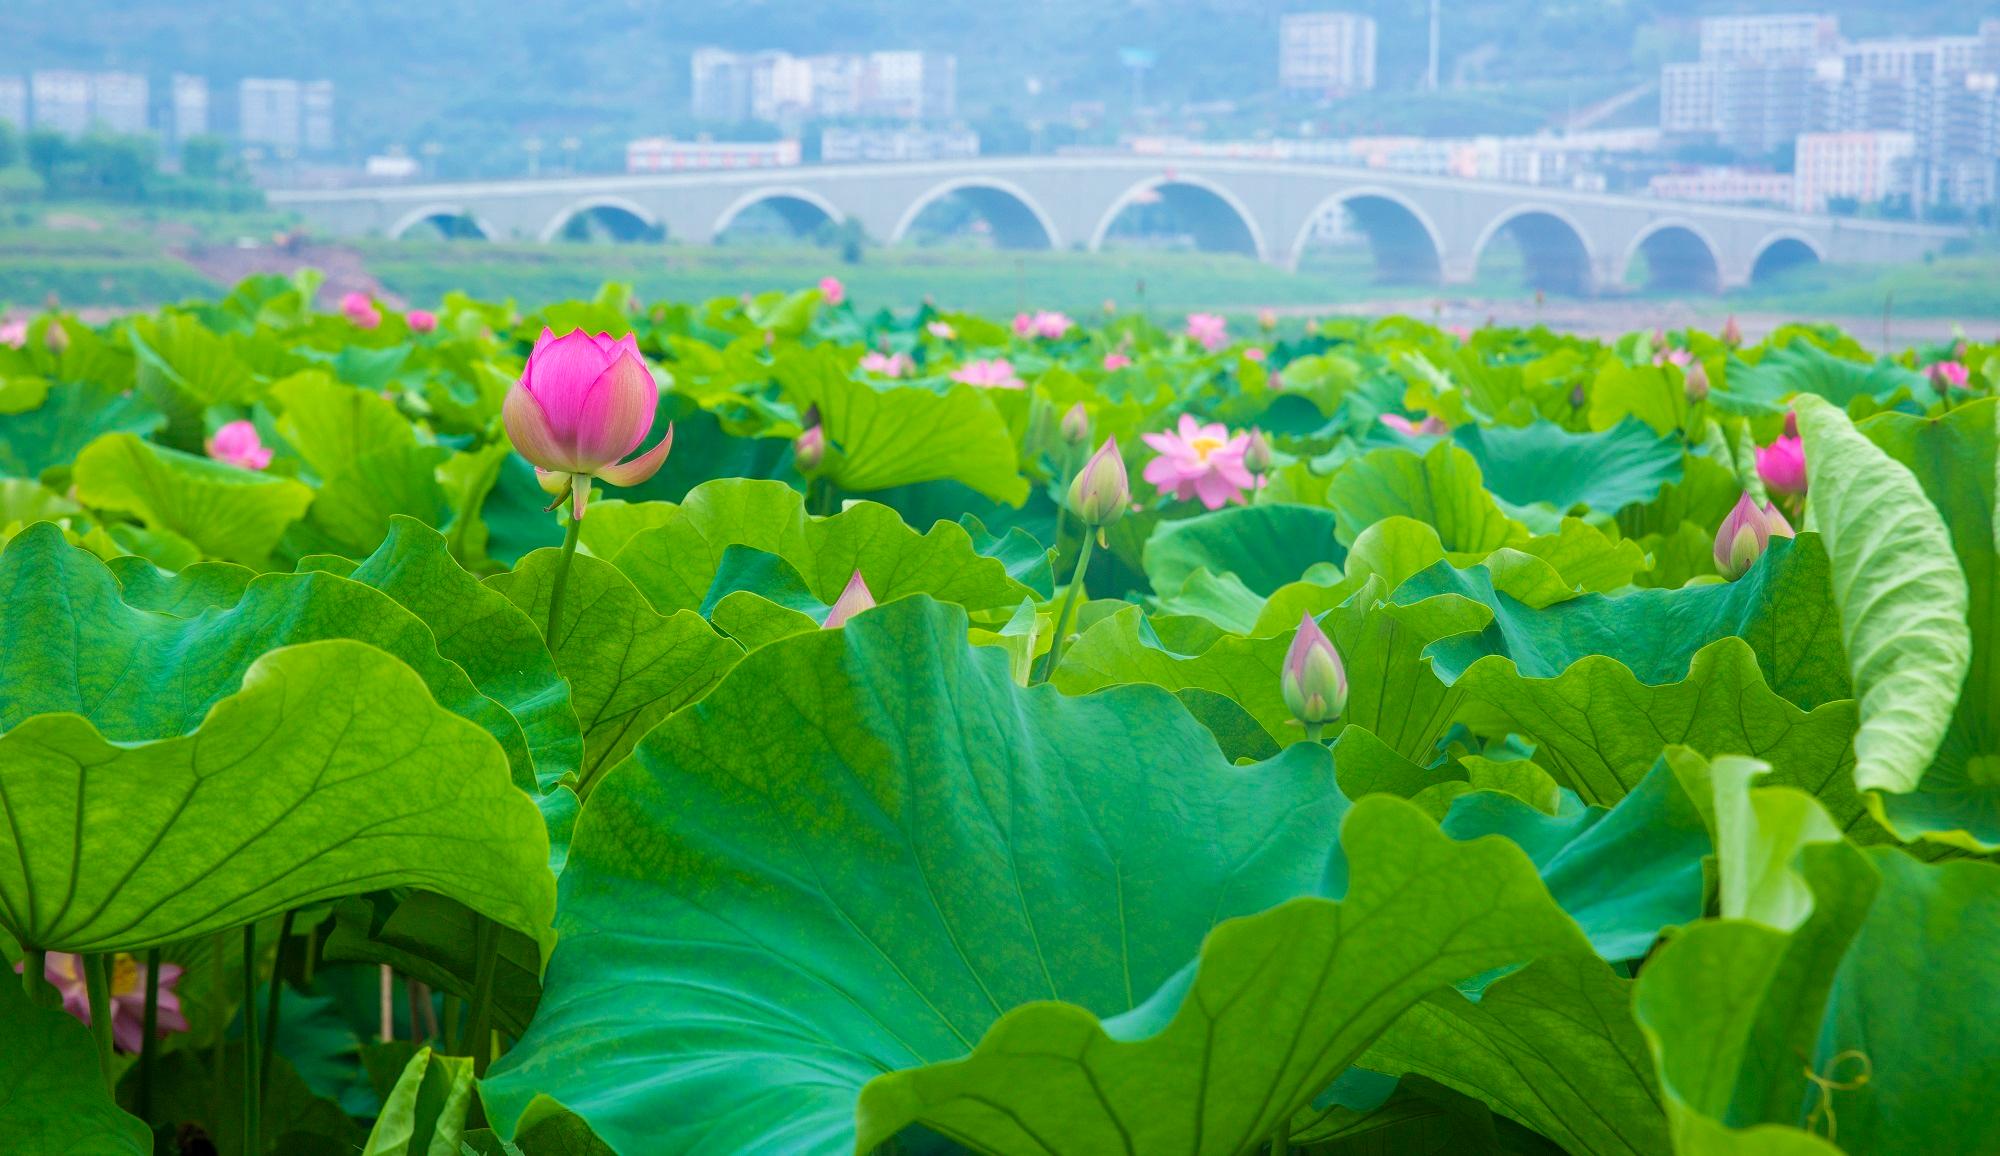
778,87
284,115
188,109
61,101
1866,167
1326,52
120,102
1797,36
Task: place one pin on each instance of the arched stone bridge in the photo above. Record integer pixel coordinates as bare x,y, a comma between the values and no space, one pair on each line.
1420,228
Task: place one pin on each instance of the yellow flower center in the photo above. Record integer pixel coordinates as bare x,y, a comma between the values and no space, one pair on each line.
124,975
1204,445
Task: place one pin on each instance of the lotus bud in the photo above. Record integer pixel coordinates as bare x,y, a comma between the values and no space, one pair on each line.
1695,382
583,404
422,321
360,309
1314,682
1782,465
1075,425
1947,375
809,450
851,602
55,338
1745,534
1267,319
1732,333
832,290
1312,327
1257,453
238,444
1101,489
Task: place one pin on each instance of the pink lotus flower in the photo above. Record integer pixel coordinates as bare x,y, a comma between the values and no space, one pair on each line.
1694,384
128,996
1782,465
1052,326
360,310
1254,353
14,333
1948,375
238,444
1209,329
583,403
1732,333
851,602
942,330
1024,325
832,290
1460,332
1313,680
997,373
1200,461
1430,427
1744,535
1115,361
422,321
887,364
1672,357
809,449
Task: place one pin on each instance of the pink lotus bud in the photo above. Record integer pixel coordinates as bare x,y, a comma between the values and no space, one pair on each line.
832,290
1695,383
1791,424
582,405
1257,453
1732,333
1782,465
1314,682
942,330
1254,353
1110,306
1267,319
55,338
851,602
1947,375
809,449
1101,490
1024,325
1430,427
1076,425
1744,535
1115,361
1209,330
1312,327
238,444
422,321
360,310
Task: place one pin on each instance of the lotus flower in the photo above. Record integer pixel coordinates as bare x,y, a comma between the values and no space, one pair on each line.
832,290
1267,319
422,321
238,444
585,402
887,364
1744,535
941,330
1075,426
1782,465
1115,361
1732,333
1313,680
1208,329
1257,454
1948,375
852,601
1254,353
1200,461
809,449
1695,383
14,333
997,373
1102,489
1024,325
1052,326
1430,427
360,310
128,996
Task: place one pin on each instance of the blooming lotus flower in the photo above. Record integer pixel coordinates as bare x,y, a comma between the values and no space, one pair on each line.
887,364
1782,465
585,402
1052,326
1695,383
997,373
1075,426
1460,332
1672,357
1313,680
1430,427
1209,330
942,330
809,449
422,320
1947,375
127,981
1101,490
14,333
832,290
238,444
1115,361
1200,461
852,601
1745,533
360,310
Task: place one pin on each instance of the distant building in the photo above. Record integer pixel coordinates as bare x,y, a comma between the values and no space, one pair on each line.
1864,167
14,102
120,102
268,114
849,145
187,110
61,101
663,154
1724,185
316,116
721,85
1796,37
390,166
1326,52
780,88
911,85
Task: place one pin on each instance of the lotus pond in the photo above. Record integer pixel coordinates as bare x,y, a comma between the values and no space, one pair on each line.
753,726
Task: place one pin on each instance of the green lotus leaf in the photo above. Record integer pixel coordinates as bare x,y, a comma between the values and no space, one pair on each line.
334,426
69,416
425,1114
233,514
52,1095
1652,394
1544,463
435,941
1441,487
352,509
331,772
1804,367
1263,546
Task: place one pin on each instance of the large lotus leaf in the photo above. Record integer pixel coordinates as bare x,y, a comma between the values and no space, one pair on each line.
69,417
74,645
628,666
1704,494
52,1096
1653,394
1955,459
424,1115
234,514
1804,367
1264,546
1544,462
674,563
352,509
1780,607
330,772
1442,487
881,436
1901,597
334,426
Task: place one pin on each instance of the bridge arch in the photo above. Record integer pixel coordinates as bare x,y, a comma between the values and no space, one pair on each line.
1018,220
625,220
1404,240
1680,257
1217,218
1557,250
1783,250
802,209
455,221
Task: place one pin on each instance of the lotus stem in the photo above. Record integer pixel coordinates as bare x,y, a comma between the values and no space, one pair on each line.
253,1090
1068,604
97,987
561,580
277,989
35,976
1313,730
388,1001
1062,504
1281,1140
478,1039
149,1044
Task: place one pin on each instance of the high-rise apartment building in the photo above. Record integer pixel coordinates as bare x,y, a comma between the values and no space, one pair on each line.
1326,52
120,102
187,110
778,87
60,101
